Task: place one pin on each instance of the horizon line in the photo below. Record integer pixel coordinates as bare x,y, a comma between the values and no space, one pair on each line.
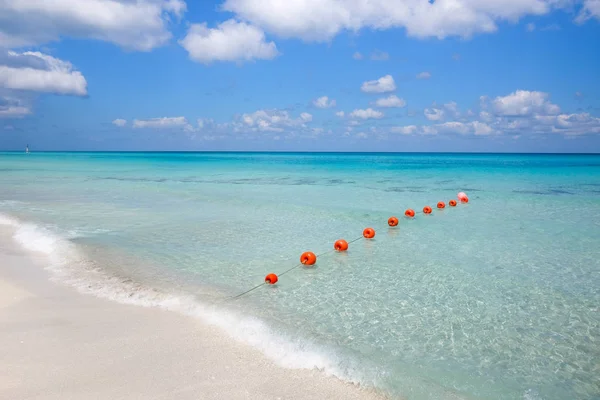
295,152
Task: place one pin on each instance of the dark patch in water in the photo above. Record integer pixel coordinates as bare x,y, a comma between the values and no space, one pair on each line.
529,192
545,193
304,181
560,191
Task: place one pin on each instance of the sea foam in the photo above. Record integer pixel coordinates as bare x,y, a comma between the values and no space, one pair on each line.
68,265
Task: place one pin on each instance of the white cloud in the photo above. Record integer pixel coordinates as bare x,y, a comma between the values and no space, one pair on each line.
324,102
436,113
405,130
357,56
516,114
230,41
524,103
462,128
321,20
433,114
164,122
306,117
136,25
452,108
424,75
340,114
39,72
485,116
379,55
270,120
391,101
530,27
119,122
590,9
384,84
369,113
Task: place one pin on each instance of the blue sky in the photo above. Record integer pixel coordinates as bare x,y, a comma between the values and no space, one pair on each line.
327,75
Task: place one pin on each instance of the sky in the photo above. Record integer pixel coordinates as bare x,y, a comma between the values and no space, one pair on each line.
300,75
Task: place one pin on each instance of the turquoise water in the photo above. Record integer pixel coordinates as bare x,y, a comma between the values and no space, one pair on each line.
495,299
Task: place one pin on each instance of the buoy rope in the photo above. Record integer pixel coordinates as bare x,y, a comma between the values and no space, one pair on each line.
300,264
248,291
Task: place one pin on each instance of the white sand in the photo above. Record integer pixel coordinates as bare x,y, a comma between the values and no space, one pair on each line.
58,344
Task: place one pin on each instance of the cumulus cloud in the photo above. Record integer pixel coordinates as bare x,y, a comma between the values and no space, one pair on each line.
136,25
438,113
270,120
306,117
369,113
590,9
164,122
38,72
119,122
519,113
524,103
384,84
324,102
321,20
229,41
391,101
433,114
424,75
340,114
357,56
463,128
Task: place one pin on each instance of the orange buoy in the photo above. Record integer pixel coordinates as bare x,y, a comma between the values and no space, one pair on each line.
271,279
464,199
427,210
308,258
369,233
410,213
393,221
341,245
441,204
452,203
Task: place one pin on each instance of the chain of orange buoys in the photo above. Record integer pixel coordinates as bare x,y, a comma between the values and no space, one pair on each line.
310,258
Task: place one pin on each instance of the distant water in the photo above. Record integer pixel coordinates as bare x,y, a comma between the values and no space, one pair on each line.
495,299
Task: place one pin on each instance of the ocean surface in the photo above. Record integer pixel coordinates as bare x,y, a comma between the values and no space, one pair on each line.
498,298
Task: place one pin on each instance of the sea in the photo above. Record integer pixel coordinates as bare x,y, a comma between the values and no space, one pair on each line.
497,298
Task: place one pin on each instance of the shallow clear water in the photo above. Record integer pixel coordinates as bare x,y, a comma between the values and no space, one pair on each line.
495,299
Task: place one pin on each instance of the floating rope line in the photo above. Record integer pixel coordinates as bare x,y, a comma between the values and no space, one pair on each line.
309,258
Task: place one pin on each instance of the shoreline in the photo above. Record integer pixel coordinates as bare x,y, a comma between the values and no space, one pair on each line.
57,343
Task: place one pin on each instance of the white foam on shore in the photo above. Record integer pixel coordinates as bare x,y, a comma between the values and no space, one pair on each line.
68,265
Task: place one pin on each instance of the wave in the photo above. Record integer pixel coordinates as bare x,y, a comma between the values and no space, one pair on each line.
68,265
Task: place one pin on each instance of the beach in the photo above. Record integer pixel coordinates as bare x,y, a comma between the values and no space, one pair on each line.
143,258
56,343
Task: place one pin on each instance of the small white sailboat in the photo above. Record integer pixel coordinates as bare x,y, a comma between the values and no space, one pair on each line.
27,149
